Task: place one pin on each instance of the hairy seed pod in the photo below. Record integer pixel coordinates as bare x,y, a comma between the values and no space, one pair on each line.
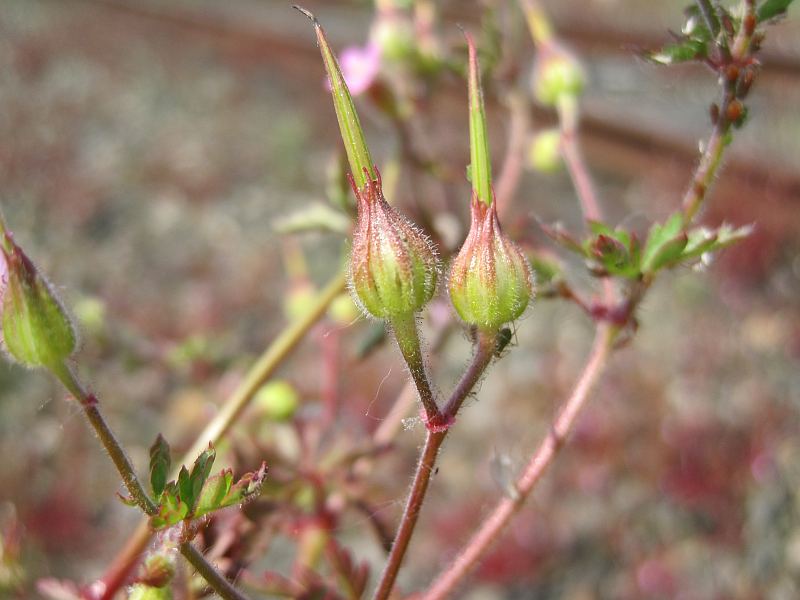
393,265
490,280
36,328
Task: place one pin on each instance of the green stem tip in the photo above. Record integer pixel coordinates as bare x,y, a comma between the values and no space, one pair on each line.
349,125
480,157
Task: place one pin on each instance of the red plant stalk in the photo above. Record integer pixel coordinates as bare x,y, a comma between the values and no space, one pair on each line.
493,526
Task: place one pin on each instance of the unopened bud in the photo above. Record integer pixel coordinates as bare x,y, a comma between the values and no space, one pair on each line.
393,265
343,311
544,152
278,400
36,329
490,279
393,34
557,73
158,570
140,591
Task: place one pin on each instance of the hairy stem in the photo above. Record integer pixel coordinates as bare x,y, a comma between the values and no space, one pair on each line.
208,572
230,411
711,158
422,477
493,526
427,462
407,336
89,403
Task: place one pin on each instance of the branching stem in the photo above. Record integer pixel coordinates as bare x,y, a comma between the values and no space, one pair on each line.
89,403
406,333
425,467
261,371
493,526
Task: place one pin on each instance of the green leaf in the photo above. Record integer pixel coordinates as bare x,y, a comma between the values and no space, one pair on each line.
480,173
248,487
159,465
659,237
679,52
669,253
349,125
703,240
200,472
692,45
185,485
771,9
214,492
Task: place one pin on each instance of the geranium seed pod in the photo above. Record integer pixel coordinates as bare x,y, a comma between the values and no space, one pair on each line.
393,265
37,332
490,281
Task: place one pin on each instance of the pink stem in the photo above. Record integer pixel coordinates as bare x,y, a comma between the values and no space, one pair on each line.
493,526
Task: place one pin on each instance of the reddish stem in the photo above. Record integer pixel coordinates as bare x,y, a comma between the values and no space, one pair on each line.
493,526
427,460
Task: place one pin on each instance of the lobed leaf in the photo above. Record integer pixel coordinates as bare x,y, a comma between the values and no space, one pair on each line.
197,479
660,240
214,492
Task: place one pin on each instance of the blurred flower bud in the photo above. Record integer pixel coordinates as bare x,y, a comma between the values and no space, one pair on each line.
544,152
140,591
490,279
343,311
556,73
158,570
36,329
278,400
393,265
393,34
299,299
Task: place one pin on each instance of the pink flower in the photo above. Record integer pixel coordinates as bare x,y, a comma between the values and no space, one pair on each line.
360,66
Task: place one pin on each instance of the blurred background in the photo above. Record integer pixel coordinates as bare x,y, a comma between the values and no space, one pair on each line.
147,151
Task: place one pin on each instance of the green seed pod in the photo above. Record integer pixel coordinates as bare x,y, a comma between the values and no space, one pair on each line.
490,279
557,73
36,329
393,265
